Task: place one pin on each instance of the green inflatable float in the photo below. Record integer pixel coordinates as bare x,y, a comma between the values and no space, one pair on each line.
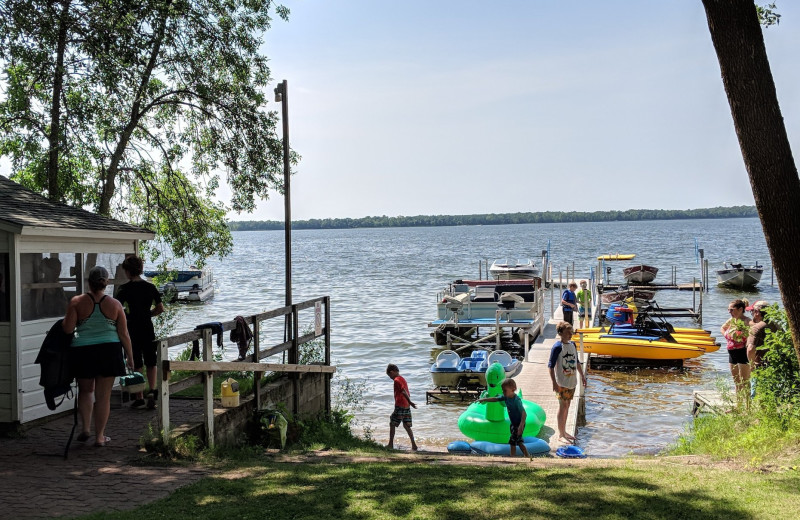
489,421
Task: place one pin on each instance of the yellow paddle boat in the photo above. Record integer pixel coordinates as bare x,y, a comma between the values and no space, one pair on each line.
616,346
616,257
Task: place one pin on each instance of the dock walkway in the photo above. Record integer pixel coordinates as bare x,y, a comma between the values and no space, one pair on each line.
534,381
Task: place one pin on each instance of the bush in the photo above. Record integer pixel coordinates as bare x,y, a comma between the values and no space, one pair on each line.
778,383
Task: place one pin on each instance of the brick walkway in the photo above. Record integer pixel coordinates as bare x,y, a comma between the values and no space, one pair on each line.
39,483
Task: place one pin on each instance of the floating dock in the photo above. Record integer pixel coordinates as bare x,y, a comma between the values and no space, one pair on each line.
534,382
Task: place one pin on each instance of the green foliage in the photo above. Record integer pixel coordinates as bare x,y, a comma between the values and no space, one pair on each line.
143,104
333,431
778,382
768,15
185,447
544,217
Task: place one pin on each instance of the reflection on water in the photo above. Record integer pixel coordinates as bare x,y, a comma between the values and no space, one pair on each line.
383,283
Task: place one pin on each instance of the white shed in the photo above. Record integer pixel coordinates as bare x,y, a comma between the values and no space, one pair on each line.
46,251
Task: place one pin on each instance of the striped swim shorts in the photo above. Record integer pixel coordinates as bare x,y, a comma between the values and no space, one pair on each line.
399,415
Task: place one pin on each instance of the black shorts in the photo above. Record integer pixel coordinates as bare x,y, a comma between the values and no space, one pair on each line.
101,360
399,415
144,353
515,439
568,316
738,356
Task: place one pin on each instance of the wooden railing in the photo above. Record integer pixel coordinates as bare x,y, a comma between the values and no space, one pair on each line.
207,367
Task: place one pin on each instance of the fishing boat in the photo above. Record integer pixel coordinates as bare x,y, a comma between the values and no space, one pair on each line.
640,273
193,284
508,269
738,276
623,293
453,371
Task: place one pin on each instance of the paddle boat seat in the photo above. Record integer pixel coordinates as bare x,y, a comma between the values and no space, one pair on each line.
448,359
500,356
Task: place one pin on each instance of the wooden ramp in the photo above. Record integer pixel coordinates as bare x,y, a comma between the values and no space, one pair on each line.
534,381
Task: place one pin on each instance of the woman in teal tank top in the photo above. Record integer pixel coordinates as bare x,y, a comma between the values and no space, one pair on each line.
101,334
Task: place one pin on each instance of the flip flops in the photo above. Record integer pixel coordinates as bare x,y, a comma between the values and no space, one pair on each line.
99,444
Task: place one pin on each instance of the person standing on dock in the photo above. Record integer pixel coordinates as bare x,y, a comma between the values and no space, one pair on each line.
584,297
563,364
569,302
402,407
735,331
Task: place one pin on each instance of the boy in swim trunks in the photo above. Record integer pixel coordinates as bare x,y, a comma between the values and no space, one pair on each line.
402,407
563,364
516,414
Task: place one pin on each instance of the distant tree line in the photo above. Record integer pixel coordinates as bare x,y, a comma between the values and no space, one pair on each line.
491,219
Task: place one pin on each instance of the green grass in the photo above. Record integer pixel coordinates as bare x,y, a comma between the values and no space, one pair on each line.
427,490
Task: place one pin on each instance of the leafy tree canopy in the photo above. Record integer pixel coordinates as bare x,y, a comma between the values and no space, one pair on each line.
136,109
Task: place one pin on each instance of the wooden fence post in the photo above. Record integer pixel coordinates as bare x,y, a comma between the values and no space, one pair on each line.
208,389
257,359
328,352
294,358
163,390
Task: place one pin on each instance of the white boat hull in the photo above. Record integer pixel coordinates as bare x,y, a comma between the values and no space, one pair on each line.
742,278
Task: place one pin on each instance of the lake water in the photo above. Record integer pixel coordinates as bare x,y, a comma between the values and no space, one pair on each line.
383,285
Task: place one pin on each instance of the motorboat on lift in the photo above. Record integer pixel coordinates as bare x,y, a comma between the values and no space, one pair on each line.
452,371
623,293
640,273
508,269
193,284
738,276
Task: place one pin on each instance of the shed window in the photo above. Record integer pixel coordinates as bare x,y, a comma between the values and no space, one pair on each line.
5,293
113,264
48,282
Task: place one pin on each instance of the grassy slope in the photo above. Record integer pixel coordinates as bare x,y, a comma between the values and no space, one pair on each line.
430,489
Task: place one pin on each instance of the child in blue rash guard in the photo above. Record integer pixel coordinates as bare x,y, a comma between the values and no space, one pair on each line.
516,414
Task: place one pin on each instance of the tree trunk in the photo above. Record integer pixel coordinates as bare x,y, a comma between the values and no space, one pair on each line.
739,43
54,139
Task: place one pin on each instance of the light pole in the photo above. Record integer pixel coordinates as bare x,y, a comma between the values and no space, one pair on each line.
282,96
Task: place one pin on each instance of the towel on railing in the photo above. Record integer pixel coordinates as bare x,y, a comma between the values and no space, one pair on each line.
242,336
216,328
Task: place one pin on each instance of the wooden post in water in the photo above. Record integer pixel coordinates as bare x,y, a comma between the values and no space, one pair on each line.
163,390
208,389
480,273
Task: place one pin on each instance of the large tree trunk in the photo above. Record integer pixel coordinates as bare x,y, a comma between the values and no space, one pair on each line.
54,139
737,38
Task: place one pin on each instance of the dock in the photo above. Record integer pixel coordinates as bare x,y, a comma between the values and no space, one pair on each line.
534,382
709,401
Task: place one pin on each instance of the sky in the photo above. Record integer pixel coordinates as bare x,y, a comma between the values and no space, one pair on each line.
462,107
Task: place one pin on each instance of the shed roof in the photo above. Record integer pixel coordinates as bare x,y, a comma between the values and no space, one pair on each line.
22,209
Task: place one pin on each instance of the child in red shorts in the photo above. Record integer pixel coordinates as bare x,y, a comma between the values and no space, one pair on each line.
402,407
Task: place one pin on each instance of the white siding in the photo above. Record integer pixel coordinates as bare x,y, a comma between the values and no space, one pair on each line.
32,334
41,244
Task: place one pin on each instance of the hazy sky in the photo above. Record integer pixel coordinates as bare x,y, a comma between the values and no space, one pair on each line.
460,106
